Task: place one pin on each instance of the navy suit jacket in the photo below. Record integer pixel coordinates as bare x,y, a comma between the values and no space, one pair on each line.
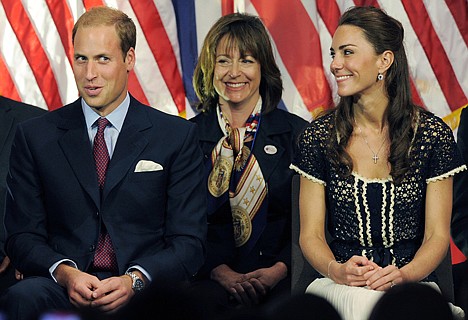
11,113
460,190
156,219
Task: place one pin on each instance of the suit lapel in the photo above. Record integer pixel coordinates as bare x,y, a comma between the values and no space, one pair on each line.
6,123
77,149
130,144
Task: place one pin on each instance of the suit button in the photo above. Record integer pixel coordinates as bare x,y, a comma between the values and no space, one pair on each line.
91,248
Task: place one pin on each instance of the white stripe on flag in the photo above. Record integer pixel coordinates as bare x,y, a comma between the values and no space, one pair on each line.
421,71
44,26
207,12
76,8
445,27
147,70
168,17
17,65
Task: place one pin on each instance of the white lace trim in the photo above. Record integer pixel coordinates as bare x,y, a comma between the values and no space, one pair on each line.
358,213
447,174
364,254
371,180
391,216
384,220
306,175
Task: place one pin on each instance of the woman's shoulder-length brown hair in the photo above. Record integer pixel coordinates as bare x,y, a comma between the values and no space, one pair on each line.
248,34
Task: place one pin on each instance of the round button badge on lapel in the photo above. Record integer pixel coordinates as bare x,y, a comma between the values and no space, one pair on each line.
270,149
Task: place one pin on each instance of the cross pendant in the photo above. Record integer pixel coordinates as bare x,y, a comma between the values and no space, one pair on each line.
375,158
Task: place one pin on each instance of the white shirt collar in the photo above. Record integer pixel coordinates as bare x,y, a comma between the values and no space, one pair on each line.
116,117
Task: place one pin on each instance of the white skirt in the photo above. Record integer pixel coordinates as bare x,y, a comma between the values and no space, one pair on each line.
356,303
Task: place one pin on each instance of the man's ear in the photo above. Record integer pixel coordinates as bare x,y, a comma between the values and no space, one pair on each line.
130,59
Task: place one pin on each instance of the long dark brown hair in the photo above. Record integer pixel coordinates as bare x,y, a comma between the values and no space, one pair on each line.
247,33
383,33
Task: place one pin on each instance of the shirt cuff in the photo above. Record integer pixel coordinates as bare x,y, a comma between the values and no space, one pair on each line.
55,265
141,270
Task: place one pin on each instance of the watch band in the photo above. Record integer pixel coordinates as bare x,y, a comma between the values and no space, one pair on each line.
137,283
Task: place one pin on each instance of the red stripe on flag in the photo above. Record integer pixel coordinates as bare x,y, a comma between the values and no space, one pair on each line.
34,52
330,14
435,52
63,20
459,10
227,7
303,59
88,4
135,89
365,3
415,95
159,43
7,86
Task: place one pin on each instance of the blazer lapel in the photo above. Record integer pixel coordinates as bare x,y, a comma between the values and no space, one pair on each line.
267,151
77,149
130,144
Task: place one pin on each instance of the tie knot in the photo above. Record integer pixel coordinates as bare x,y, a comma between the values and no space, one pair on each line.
102,123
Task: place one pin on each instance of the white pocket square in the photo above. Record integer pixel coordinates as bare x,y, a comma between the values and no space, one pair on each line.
147,165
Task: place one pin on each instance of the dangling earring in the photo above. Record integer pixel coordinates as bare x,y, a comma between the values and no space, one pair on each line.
380,77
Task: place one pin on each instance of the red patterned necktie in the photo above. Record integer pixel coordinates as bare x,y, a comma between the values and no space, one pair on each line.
101,155
104,257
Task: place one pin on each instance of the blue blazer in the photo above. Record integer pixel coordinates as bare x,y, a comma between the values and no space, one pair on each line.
156,219
280,129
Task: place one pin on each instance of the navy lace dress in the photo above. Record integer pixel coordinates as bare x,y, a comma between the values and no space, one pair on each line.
374,217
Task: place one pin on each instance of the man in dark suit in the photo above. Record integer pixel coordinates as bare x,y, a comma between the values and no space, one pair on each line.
93,237
459,227
11,113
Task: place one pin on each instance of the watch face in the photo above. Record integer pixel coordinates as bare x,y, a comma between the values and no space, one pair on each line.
138,285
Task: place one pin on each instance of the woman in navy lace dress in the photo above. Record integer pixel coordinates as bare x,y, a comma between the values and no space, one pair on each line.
379,168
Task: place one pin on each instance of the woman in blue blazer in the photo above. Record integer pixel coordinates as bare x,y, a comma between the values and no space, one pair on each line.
248,144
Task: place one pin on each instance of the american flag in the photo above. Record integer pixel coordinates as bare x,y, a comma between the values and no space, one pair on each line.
36,49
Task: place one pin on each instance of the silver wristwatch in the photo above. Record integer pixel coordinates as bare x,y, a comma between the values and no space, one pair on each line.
137,284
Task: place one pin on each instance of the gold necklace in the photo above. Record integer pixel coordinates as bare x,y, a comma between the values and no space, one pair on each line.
375,155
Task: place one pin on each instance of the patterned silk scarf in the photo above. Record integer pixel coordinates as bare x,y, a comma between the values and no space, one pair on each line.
235,169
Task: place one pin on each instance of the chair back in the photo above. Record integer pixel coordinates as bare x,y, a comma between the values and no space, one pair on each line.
302,273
